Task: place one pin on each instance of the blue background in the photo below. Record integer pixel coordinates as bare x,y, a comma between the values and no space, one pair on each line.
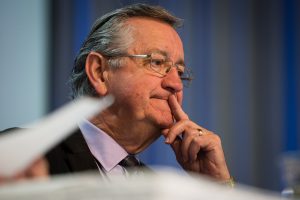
245,59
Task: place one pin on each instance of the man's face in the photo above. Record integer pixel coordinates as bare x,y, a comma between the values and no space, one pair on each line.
141,96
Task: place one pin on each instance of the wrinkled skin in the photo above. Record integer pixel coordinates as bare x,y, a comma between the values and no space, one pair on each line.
147,104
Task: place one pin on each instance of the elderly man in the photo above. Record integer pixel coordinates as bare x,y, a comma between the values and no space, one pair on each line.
135,54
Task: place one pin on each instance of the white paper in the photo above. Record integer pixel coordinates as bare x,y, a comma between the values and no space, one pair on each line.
164,184
18,149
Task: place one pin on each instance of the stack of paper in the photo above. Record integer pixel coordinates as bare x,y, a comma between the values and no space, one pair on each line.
163,185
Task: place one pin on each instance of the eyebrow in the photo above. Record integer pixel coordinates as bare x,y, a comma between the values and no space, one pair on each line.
164,53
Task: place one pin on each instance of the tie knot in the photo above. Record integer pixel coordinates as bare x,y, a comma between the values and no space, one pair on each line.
130,161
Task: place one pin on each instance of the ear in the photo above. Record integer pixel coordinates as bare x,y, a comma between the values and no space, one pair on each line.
96,70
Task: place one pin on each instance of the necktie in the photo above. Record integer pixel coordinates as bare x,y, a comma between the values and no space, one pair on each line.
133,165
130,162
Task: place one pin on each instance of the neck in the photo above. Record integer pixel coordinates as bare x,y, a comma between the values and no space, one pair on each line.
134,138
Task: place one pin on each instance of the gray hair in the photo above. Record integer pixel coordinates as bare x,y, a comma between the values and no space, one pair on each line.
111,37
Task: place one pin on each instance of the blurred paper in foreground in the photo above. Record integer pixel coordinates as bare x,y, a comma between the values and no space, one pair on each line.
18,149
163,185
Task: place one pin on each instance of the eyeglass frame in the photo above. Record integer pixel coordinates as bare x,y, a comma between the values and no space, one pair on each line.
145,56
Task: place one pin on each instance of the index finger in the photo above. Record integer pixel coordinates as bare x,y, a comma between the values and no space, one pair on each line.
176,109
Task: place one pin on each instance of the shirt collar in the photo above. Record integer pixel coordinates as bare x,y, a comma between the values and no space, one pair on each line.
104,148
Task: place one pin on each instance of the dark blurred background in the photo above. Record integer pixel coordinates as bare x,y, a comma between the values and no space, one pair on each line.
244,55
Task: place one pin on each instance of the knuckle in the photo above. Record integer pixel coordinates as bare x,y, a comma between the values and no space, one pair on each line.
185,122
216,138
195,141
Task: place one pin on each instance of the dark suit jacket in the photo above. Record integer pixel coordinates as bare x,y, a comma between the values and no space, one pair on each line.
71,155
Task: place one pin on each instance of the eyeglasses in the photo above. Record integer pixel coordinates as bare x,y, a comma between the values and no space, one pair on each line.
158,63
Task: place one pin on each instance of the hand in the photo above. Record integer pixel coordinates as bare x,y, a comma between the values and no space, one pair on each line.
197,149
37,169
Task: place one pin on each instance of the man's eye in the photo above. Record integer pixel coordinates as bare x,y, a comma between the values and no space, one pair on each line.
180,70
157,62
180,73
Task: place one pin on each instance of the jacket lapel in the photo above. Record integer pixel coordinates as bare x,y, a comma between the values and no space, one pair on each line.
79,156
72,155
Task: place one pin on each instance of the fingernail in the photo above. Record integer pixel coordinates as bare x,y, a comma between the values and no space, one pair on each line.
167,140
195,158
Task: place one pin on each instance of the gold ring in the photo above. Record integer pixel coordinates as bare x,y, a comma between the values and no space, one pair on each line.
200,132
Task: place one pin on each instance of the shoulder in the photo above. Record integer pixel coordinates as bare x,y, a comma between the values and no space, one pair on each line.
71,155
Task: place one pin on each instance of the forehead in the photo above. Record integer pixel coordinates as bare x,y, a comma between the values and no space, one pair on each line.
150,35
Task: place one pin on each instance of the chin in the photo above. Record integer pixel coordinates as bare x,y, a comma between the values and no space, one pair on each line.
160,116
165,121
166,125
143,142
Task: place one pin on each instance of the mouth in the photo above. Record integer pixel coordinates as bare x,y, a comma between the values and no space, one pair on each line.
160,103
164,97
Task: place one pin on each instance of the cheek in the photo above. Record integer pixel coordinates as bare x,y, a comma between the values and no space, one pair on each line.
132,92
131,96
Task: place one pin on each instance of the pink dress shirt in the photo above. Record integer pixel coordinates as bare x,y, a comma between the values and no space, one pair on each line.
106,150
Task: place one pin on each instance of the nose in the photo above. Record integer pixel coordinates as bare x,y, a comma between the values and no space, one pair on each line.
172,81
